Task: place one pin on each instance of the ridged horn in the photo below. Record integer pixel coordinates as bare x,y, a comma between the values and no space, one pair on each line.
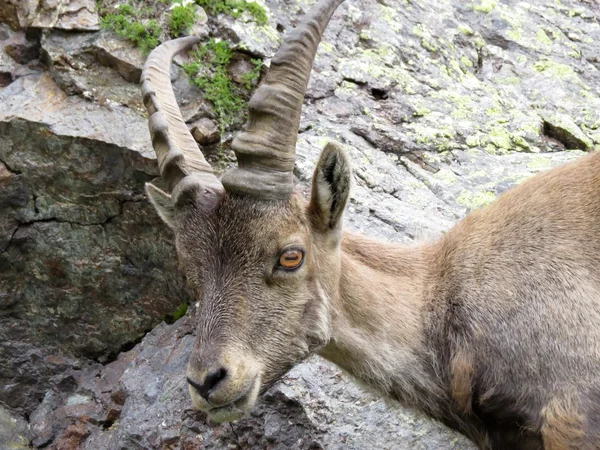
266,150
177,153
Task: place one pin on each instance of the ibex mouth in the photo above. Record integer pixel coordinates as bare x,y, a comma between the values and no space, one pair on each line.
236,409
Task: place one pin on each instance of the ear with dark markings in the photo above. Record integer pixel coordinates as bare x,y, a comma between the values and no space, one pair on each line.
330,188
162,203
188,192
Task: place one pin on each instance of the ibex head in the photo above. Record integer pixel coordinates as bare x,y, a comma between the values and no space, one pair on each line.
262,261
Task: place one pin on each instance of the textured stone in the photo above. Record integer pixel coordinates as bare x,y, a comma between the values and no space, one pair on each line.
86,266
14,432
18,55
15,12
67,14
313,407
95,66
205,132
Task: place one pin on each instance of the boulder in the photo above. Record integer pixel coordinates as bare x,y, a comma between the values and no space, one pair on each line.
66,14
14,431
205,131
87,268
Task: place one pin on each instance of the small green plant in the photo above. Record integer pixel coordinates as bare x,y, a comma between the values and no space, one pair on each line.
177,314
181,18
234,8
251,77
129,23
209,73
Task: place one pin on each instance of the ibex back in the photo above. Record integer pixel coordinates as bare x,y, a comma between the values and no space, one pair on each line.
493,330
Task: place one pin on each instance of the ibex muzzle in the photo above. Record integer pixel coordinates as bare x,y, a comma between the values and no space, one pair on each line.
494,329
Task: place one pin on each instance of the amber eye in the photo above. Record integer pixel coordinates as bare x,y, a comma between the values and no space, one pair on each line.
291,259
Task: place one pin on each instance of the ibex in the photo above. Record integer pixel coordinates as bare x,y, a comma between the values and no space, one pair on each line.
494,329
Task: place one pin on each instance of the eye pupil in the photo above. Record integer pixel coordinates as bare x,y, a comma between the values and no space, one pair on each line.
291,259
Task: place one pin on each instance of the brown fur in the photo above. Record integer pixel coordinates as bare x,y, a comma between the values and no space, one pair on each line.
461,388
485,329
563,427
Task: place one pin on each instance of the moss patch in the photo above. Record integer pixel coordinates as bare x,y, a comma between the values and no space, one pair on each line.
133,24
550,67
177,314
486,6
235,8
209,72
475,200
182,18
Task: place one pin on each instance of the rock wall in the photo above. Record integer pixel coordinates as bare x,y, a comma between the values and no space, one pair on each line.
442,104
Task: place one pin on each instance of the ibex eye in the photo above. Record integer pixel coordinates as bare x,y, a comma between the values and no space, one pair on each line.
291,259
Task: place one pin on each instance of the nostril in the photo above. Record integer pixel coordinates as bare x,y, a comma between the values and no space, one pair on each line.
215,377
212,379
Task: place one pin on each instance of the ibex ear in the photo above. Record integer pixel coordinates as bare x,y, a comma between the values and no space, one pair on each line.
162,203
330,187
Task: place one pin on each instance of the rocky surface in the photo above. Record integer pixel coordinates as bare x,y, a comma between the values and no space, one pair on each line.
442,105
86,266
65,14
14,431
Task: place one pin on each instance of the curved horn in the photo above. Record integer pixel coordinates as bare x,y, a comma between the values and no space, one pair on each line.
266,150
176,150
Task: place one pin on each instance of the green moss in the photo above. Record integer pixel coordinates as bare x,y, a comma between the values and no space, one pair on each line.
209,72
539,162
250,78
133,24
511,80
466,61
421,111
182,18
553,68
438,137
426,37
473,141
499,137
475,200
515,33
494,111
325,47
486,6
521,142
177,314
389,14
465,29
543,38
235,8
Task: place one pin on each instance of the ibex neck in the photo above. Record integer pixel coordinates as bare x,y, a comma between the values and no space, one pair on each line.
378,318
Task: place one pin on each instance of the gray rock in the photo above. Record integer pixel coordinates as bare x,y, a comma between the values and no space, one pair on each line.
66,15
86,266
205,132
192,103
313,407
15,12
119,55
18,55
95,66
14,431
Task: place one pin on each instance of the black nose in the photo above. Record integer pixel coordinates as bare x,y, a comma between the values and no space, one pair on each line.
212,379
